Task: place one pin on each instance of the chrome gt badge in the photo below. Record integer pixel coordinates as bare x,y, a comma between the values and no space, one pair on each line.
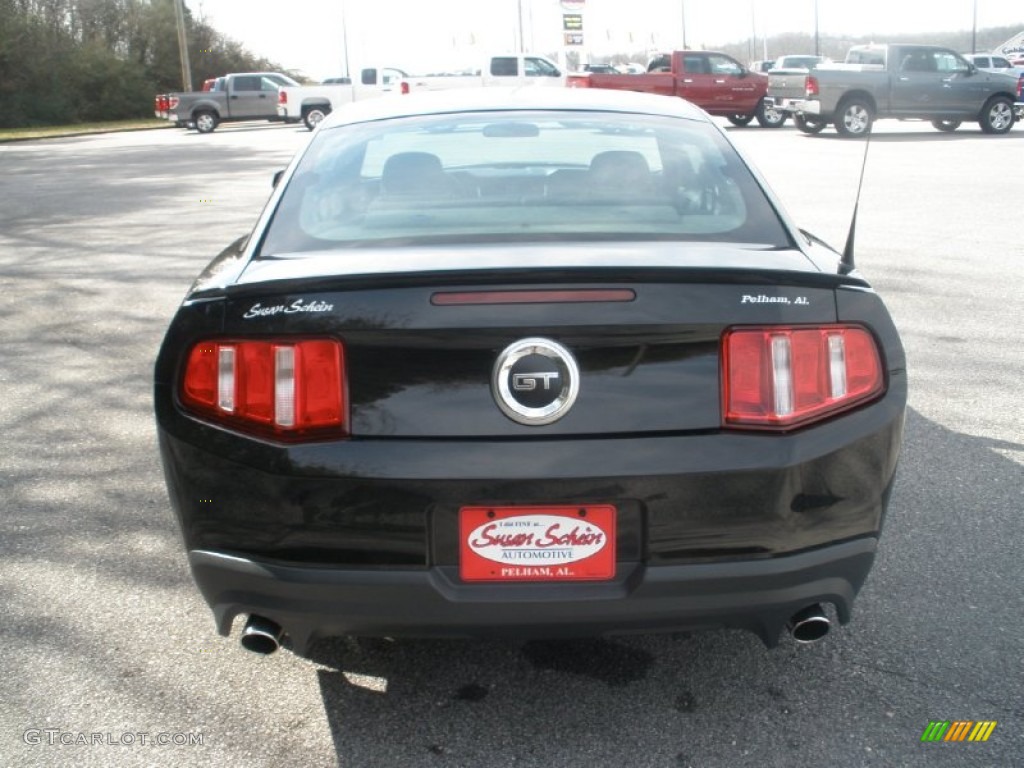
535,381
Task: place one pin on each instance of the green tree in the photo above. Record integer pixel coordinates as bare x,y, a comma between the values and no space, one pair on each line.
64,61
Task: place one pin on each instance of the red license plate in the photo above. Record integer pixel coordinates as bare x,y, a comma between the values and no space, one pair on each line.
537,543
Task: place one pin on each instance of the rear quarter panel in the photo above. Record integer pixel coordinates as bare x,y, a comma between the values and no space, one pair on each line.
211,101
836,83
661,83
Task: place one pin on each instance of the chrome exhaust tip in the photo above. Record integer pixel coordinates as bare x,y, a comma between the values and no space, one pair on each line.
809,625
261,635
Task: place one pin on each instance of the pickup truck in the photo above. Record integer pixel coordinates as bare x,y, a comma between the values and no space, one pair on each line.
238,96
797,61
505,70
908,82
311,104
716,83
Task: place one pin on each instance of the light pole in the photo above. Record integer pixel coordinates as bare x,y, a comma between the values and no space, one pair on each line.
817,51
344,36
682,14
974,29
522,46
752,52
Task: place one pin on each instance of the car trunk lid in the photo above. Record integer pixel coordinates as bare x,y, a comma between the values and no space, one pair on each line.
422,346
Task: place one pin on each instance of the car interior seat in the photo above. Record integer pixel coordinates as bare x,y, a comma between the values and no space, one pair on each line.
620,173
414,173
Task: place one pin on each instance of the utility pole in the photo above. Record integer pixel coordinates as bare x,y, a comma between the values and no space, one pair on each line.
682,13
186,67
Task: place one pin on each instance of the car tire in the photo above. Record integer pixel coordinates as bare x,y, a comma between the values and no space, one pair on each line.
997,115
809,125
854,118
312,116
769,117
206,122
740,120
946,126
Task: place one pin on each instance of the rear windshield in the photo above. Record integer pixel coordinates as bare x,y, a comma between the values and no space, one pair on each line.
520,176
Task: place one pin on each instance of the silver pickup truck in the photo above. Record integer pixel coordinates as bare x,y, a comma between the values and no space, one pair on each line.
238,96
916,82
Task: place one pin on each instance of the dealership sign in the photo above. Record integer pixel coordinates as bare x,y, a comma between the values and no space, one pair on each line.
549,543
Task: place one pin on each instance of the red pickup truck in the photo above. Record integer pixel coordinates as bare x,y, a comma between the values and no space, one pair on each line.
716,83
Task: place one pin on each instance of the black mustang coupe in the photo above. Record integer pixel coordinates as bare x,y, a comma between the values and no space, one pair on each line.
538,362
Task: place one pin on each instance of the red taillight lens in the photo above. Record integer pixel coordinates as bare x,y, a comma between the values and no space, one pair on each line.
404,88
811,87
783,377
282,97
289,389
172,102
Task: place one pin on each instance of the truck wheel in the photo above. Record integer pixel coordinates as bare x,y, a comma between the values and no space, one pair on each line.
739,119
206,122
854,118
946,126
809,125
312,116
997,115
769,117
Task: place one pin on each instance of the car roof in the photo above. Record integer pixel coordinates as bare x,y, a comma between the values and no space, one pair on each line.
526,98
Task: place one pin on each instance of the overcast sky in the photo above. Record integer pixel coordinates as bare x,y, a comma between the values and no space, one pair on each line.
418,35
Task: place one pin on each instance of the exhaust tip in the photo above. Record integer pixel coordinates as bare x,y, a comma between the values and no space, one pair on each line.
261,635
809,625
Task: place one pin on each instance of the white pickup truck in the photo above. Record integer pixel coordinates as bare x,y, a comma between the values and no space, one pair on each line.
313,103
508,70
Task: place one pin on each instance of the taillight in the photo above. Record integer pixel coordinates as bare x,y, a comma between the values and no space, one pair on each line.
287,389
1020,88
404,87
172,102
784,377
282,97
811,87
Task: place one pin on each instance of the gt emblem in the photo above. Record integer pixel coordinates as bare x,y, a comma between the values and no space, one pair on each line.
535,381
527,382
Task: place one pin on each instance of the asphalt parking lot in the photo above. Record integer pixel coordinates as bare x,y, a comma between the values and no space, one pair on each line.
110,651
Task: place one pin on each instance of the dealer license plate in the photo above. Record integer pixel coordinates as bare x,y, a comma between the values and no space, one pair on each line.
537,543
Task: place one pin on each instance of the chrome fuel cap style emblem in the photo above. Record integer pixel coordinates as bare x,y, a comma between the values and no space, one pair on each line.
535,381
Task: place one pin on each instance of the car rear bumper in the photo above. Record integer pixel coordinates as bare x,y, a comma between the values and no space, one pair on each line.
803,106
311,602
784,104
362,537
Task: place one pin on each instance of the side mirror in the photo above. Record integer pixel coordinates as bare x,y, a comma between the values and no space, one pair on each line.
277,178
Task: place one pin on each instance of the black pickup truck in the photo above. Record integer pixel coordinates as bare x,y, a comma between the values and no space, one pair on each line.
239,96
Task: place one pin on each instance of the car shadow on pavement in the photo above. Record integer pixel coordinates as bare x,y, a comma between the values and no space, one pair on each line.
967,132
934,635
